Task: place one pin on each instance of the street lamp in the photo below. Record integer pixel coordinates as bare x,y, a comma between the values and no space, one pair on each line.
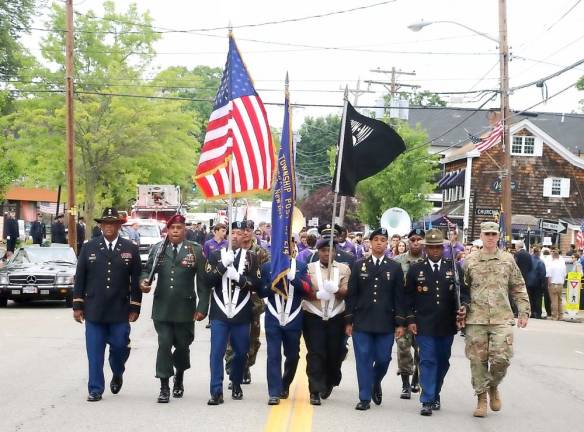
416,27
504,90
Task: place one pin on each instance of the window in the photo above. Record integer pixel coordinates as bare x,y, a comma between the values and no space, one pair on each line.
556,187
523,145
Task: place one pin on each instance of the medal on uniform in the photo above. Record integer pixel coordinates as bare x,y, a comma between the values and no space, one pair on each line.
363,268
425,289
388,274
419,289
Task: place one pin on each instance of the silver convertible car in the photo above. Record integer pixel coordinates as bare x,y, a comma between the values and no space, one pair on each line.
39,273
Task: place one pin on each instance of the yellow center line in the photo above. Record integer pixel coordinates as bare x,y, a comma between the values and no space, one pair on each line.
295,413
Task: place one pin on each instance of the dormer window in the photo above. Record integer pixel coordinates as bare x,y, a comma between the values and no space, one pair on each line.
523,145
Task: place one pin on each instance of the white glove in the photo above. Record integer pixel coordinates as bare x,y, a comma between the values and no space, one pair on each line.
227,257
323,295
330,286
232,273
292,272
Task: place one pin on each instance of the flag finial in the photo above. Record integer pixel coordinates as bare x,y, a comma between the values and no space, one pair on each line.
230,29
346,96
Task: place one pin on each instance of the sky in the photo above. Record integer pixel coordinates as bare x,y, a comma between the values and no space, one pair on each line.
445,57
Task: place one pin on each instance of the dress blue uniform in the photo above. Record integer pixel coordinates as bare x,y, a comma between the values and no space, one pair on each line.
231,314
374,302
431,305
107,290
283,326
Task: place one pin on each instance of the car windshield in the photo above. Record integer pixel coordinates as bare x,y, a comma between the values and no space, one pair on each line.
38,255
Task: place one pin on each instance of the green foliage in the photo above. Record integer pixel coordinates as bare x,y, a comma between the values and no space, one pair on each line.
15,18
404,183
318,136
420,98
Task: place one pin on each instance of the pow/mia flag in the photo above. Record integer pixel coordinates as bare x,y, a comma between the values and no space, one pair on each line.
369,146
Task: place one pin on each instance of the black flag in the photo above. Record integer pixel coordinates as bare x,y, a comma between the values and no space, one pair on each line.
369,146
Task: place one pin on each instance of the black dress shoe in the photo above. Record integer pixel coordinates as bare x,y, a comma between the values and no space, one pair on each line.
436,404
314,398
178,389
377,394
274,401
216,399
327,393
363,406
236,392
246,377
230,385
285,393
164,396
116,384
426,409
93,397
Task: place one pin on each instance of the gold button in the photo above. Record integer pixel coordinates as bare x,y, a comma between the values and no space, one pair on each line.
108,279
109,271
437,302
375,286
374,300
107,286
437,295
171,279
172,286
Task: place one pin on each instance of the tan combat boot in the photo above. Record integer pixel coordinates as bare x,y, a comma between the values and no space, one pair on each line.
494,399
481,409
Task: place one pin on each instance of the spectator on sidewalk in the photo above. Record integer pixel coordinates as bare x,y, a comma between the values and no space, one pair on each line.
556,276
536,283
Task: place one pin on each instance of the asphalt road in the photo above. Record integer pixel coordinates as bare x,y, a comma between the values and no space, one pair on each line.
43,386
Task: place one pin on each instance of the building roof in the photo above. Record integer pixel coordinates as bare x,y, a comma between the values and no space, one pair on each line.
565,128
31,194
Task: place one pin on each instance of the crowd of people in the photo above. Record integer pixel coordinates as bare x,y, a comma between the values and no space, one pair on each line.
374,290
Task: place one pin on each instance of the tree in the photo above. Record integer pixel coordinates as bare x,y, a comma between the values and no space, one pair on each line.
320,204
317,137
119,141
419,98
405,183
15,18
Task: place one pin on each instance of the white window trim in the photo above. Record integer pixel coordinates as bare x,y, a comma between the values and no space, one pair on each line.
537,146
564,187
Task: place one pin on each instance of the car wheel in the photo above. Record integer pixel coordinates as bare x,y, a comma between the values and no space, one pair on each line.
3,302
69,301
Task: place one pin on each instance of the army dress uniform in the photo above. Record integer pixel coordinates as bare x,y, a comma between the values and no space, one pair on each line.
431,304
107,290
491,279
406,363
175,303
374,304
230,316
283,327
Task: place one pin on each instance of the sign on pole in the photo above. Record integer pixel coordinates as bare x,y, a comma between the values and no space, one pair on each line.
557,226
573,293
313,222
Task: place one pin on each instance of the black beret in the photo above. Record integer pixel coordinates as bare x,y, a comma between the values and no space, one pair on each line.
417,232
379,231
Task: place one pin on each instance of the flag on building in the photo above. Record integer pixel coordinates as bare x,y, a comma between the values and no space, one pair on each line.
493,138
282,207
473,138
369,146
238,137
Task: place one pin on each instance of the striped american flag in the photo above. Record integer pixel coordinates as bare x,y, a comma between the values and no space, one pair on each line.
492,139
238,131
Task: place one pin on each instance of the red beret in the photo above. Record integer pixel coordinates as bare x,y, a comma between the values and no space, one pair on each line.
177,218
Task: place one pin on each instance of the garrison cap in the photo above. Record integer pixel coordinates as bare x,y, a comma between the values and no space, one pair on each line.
379,231
175,219
490,227
417,232
434,237
324,242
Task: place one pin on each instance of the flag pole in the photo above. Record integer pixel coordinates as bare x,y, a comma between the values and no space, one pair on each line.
230,175
338,177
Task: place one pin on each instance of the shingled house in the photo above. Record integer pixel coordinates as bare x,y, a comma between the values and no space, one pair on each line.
547,171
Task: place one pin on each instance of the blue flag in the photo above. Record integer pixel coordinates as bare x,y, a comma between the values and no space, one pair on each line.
502,230
283,207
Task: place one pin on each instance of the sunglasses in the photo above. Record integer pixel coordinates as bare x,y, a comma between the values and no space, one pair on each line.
491,234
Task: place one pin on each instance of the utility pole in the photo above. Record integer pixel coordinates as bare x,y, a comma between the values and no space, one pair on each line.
356,92
70,128
393,85
504,71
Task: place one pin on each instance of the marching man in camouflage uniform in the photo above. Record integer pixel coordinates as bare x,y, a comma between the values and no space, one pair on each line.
492,276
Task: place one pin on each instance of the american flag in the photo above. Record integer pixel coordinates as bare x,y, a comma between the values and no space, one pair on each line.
490,140
238,131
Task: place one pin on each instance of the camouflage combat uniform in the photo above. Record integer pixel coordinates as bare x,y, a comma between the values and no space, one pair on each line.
405,360
258,308
492,279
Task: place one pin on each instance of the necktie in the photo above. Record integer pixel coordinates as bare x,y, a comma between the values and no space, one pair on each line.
435,268
111,247
377,263
174,252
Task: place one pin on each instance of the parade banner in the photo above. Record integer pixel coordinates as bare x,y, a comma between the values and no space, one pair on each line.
573,293
283,206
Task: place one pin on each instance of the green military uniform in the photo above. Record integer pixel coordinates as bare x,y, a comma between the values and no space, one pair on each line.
175,303
258,308
492,278
405,360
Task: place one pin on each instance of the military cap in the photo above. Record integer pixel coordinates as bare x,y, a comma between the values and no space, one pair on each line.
326,230
417,232
110,215
324,242
434,237
489,227
379,231
175,219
